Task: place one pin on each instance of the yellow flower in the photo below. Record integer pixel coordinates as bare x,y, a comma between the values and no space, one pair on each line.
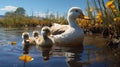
115,11
26,58
112,7
99,15
109,3
116,19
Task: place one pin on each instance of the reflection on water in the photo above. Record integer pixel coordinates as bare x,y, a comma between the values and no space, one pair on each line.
73,55
56,56
46,52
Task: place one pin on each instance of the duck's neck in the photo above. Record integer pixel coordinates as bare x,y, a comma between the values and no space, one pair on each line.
71,21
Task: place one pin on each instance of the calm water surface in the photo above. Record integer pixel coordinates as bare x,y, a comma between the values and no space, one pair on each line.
90,56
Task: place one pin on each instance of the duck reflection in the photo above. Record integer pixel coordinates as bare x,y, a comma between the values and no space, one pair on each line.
45,44
72,54
46,52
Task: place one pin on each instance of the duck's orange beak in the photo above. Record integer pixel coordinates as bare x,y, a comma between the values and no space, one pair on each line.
82,16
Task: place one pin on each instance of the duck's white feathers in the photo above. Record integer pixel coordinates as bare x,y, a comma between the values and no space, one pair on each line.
73,34
58,28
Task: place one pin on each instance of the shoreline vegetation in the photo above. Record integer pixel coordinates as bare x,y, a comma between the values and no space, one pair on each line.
102,15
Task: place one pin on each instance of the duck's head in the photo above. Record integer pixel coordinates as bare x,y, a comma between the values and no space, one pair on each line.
35,33
25,35
45,31
75,12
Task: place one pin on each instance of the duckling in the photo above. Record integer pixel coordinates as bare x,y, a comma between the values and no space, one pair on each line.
27,42
45,44
45,39
25,36
36,36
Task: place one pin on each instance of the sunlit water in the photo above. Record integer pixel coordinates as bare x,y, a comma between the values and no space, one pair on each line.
59,57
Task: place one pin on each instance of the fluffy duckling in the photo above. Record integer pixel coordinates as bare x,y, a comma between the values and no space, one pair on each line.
36,36
45,40
27,41
45,44
26,36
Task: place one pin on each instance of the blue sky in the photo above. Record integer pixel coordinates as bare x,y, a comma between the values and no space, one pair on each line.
41,6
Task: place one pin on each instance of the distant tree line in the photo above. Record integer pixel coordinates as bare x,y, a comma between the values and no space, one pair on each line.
19,18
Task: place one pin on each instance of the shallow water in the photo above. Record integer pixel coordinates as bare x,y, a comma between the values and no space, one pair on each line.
89,56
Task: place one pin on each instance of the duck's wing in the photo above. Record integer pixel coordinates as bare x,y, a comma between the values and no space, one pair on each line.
58,29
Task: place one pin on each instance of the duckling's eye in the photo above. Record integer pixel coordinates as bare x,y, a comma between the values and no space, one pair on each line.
76,10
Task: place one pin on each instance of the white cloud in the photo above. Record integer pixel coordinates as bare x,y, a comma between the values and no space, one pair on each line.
42,14
9,8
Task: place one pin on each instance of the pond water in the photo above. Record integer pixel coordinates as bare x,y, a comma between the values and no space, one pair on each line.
89,56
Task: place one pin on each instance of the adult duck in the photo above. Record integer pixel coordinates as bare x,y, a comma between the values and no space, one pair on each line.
73,34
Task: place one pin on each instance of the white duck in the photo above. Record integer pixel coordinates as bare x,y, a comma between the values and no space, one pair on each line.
73,34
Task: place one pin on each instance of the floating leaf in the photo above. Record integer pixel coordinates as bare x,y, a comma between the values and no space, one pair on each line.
26,58
13,43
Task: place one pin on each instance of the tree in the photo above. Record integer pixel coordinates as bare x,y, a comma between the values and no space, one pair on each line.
20,11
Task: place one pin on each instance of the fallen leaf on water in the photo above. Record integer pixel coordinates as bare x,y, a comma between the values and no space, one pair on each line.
13,43
26,58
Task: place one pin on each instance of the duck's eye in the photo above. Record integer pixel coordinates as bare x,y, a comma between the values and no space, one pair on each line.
76,10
